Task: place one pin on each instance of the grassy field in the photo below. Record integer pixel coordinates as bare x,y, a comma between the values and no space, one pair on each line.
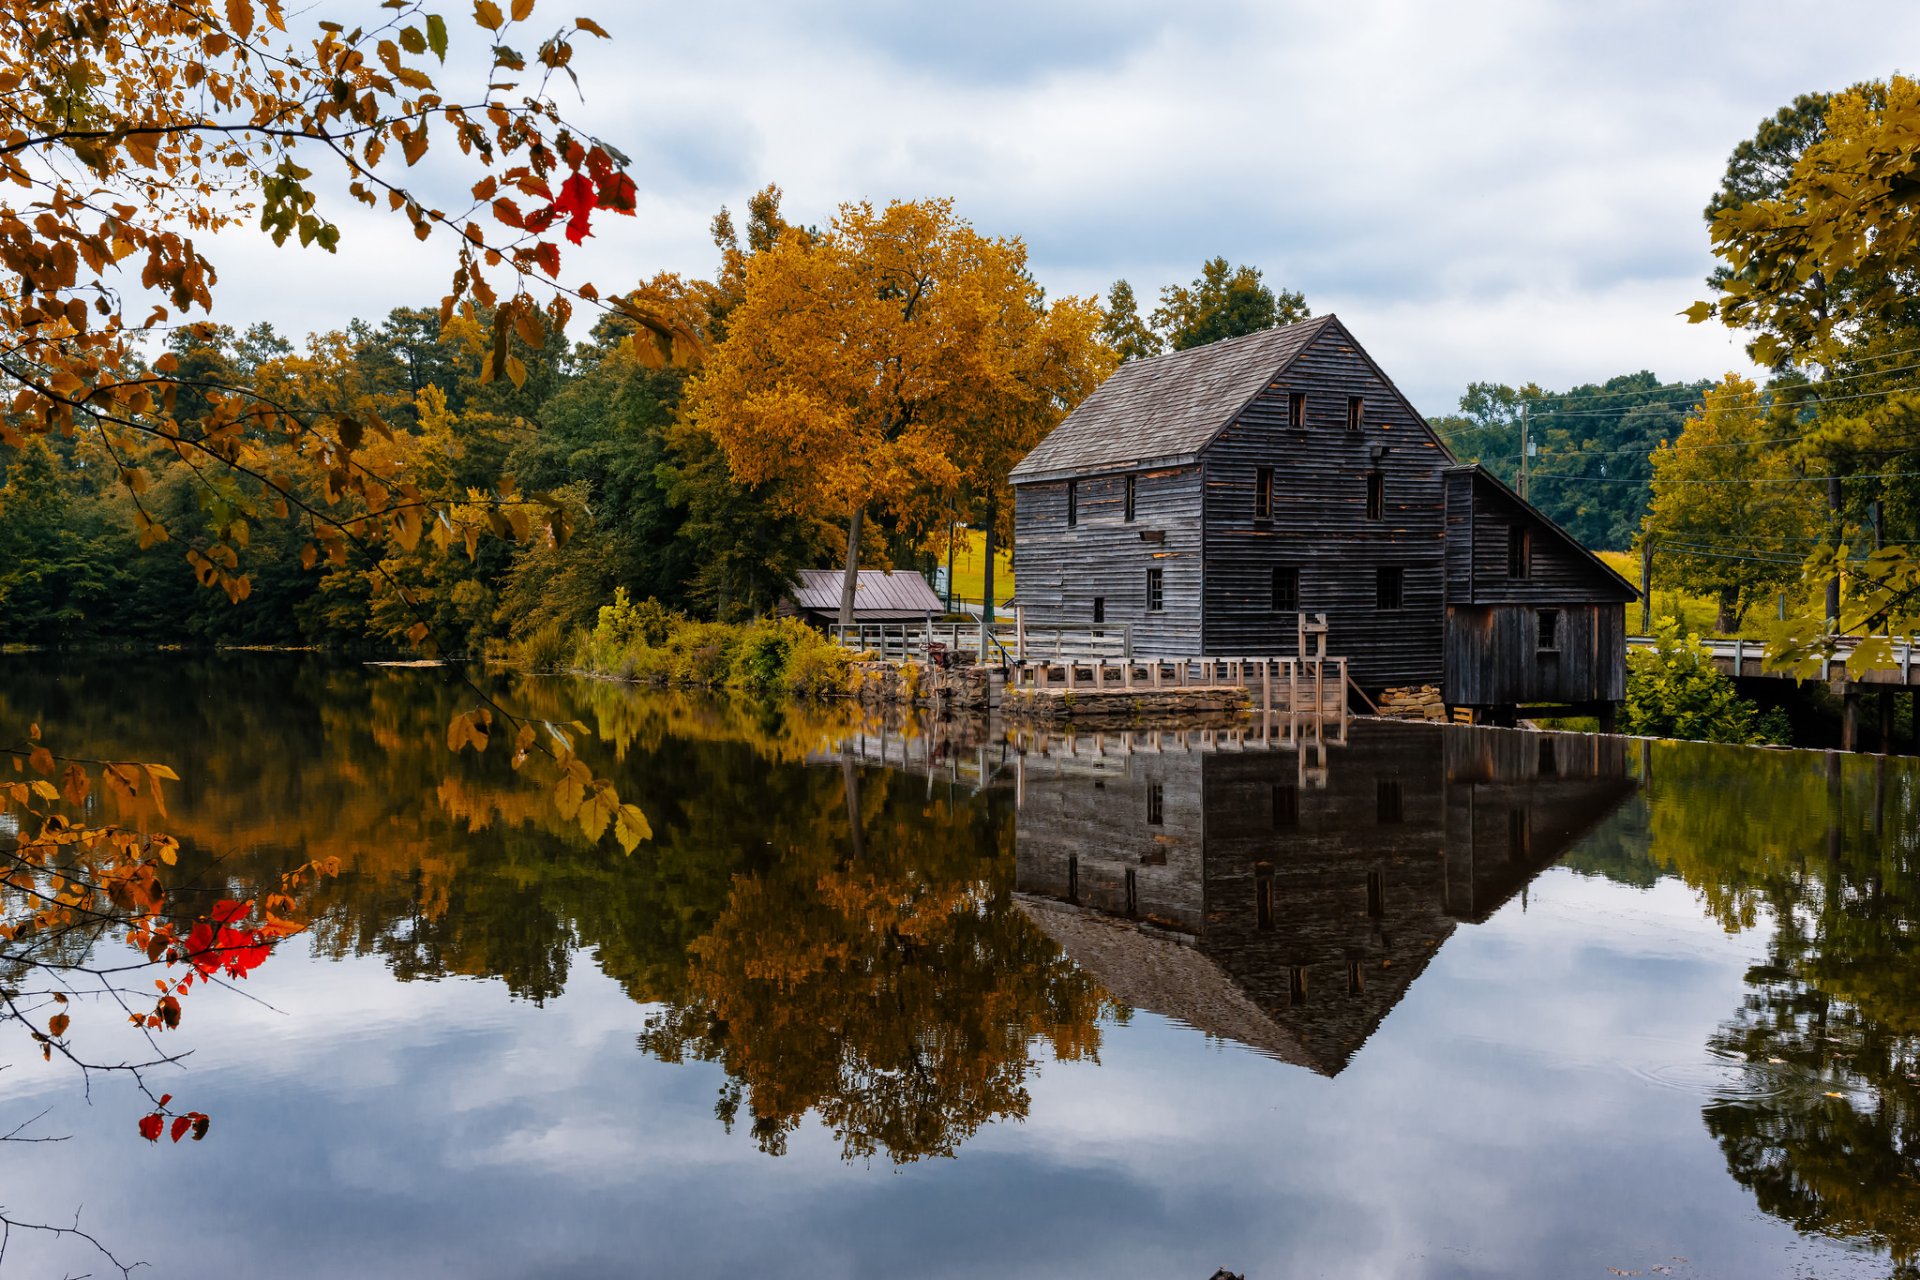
1697,614
970,564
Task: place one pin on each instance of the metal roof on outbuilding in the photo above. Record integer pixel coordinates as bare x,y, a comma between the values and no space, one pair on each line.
876,592
1167,408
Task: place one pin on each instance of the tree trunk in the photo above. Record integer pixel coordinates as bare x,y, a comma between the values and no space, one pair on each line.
852,576
986,589
1729,620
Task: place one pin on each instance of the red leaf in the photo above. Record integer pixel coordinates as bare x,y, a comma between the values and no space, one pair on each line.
150,1127
165,1098
226,911
617,193
547,255
200,1123
576,202
180,1126
540,219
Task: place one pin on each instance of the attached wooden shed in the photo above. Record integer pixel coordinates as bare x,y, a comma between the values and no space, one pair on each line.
1533,617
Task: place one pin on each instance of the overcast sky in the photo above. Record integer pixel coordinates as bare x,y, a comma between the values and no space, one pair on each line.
1482,190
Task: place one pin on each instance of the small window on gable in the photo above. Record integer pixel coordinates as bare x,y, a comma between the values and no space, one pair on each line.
1129,507
1389,589
1263,493
1356,413
1376,496
1548,623
1154,591
1073,503
1519,551
1099,609
1297,409
1286,589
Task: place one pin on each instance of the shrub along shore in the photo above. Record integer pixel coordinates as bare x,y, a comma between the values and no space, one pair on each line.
651,644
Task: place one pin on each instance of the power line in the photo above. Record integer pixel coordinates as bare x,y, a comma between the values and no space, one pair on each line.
1878,475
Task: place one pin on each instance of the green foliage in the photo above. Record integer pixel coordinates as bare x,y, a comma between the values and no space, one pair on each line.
1123,329
1593,470
768,655
546,648
1675,691
1224,301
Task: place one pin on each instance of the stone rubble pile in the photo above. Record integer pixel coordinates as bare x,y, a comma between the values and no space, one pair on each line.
1421,703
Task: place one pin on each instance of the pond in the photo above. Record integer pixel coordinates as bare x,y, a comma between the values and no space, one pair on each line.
873,1001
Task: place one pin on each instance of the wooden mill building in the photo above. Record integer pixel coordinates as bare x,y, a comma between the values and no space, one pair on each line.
1206,497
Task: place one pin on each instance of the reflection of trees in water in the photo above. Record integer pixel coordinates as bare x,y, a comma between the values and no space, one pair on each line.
892,990
1830,856
897,993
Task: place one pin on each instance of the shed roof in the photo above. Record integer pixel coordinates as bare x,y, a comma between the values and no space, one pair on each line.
1167,408
1619,586
875,591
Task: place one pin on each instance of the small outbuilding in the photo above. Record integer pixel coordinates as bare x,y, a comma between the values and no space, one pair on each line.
879,595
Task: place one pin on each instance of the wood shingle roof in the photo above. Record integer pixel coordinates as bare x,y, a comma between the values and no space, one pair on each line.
1166,409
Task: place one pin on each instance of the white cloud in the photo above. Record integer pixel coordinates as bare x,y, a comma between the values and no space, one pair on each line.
1485,189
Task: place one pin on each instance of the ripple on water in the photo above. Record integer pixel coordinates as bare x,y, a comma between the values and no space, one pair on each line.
1720,1076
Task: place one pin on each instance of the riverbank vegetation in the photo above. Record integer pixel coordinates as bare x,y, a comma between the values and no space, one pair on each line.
651,644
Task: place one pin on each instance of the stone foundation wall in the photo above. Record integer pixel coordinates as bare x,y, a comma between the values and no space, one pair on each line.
1413,703
884,683
1125,706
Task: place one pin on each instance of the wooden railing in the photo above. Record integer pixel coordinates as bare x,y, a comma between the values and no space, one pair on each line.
1744,658
1284,683
1002,642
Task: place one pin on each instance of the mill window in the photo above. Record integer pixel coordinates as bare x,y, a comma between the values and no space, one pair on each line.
1156,804
1154,596
1549,627
1099,608
1356,412
1388,804
1389,588
1286,806
1297,409
1073,503
1286,589
1263,494
1376,495
1129,503
1519,551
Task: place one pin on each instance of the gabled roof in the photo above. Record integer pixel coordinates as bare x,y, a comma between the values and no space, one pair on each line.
875,591
1482,476
1166,409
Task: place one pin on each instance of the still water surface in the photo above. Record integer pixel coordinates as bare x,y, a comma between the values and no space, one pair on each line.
1427,1002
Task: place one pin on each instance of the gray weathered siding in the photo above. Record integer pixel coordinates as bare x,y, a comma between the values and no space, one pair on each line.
1493,656
1059,571
1319,523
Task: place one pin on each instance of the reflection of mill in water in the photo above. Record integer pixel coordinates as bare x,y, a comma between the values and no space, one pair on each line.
1288,900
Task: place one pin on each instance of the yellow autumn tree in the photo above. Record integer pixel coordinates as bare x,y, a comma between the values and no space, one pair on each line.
1731,514
867,367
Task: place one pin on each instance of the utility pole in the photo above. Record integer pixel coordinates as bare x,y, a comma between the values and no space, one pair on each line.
1646,586
1833,583
1525,448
